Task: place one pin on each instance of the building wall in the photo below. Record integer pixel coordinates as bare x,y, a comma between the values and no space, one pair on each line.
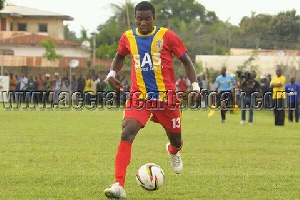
55,26
39,51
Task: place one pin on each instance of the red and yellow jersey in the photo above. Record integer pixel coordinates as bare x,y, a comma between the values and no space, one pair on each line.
152,60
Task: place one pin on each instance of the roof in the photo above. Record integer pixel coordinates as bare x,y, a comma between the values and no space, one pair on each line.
34,39
21,11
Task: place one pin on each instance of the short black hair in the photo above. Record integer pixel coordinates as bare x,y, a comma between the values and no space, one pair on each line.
144,6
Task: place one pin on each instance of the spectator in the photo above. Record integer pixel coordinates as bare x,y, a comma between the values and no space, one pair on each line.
277,84
23,83
73,84
30,89
56,85
40,83
94,83
181,83
80,84
18,85
48,87
64,84
12,82
249,86
87,88
293,91
188,84
204,84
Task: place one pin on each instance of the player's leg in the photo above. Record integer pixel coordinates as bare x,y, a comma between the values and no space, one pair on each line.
130,128
133,121
175,141
290,112
170,119
173,148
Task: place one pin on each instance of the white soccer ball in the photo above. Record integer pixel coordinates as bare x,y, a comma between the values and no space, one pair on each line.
150,177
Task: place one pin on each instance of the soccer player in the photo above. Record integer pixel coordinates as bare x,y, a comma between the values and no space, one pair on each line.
224,84
151,49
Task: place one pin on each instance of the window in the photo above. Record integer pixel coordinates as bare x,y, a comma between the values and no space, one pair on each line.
11,26
22,27
43,28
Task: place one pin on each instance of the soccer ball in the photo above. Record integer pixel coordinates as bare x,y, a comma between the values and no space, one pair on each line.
150,177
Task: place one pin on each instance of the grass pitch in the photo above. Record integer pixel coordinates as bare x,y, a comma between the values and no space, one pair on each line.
70,155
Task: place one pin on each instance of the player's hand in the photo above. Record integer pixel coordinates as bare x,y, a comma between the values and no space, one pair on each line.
195,87
115,84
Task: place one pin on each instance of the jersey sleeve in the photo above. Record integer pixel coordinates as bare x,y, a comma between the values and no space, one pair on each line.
123,48
175,44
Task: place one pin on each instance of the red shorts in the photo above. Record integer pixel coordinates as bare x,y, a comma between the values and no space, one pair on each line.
160,112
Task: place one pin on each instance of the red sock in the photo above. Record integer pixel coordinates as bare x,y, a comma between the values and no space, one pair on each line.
122,161
174,150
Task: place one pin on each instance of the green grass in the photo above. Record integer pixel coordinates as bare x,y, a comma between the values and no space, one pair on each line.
70,155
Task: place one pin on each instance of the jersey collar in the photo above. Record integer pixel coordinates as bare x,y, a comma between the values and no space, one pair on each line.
149,34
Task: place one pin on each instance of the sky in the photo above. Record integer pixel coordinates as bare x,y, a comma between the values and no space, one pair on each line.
91,13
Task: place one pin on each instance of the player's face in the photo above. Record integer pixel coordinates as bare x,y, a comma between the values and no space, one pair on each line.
292,80
144,21
278,72
223,71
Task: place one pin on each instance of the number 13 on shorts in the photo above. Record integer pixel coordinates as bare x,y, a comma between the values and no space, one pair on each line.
176,122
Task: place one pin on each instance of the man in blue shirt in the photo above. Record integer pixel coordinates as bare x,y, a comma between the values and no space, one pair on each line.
293,91
224,84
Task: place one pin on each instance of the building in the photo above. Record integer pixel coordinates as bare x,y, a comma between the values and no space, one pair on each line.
263,61
22,31
23,19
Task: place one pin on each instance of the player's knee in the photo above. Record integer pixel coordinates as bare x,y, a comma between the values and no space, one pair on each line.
129,133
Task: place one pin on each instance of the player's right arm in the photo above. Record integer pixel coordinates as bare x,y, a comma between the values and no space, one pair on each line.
116,66
118,62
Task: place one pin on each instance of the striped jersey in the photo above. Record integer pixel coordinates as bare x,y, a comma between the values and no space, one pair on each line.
152,60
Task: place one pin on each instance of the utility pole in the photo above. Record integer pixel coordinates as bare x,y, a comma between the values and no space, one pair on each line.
127,15
1,62
94,50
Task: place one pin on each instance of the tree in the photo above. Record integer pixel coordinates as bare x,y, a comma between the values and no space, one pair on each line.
83,33
2,4
269,32
70,35
50,47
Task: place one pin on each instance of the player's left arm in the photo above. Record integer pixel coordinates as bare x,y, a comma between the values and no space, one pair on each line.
190,71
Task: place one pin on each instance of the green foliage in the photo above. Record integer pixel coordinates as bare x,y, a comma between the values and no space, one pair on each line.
269,32
2,4
107,51
70,35
89,63
83,33
50,47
